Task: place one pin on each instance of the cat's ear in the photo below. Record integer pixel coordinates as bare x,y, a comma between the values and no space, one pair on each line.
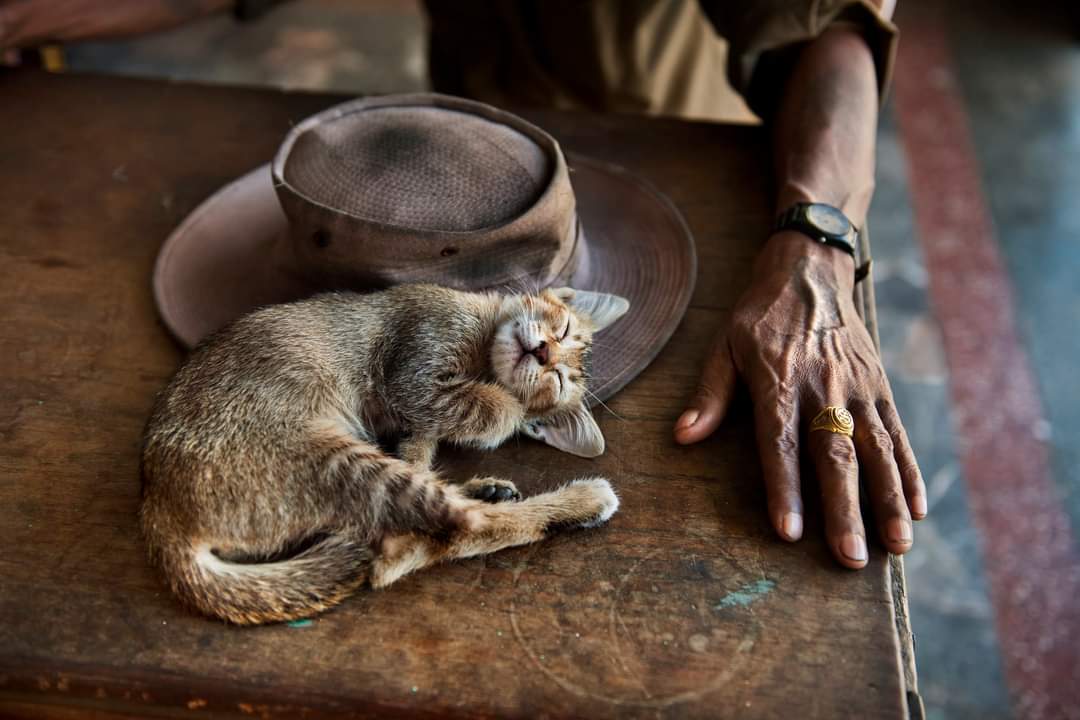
574,431
602,308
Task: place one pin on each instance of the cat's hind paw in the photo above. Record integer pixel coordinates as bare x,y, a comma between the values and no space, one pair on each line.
491,490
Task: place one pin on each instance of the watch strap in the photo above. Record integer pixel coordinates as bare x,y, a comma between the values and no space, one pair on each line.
248,10
796,218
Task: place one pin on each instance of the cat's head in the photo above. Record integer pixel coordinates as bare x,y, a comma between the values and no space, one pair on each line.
541,354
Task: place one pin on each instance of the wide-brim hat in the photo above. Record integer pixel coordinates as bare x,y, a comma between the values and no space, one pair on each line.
437,189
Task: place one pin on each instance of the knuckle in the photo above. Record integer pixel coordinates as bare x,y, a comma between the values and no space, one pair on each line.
785,392
910,471
858,408
840,453
785,442
779,394
898,437
892,498
880,442
886,409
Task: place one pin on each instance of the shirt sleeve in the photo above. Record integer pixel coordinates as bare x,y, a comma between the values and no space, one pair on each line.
759,31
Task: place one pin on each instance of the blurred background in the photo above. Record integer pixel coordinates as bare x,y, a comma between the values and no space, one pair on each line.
976,238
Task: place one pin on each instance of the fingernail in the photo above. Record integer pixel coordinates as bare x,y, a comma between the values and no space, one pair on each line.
899,531
792,525
918,505
688,419
854,548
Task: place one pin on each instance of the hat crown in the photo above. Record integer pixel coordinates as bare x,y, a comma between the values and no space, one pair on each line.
426,188
425,168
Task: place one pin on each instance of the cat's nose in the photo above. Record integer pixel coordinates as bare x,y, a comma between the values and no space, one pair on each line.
541,353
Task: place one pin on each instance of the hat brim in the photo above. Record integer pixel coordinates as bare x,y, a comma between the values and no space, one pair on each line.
230,256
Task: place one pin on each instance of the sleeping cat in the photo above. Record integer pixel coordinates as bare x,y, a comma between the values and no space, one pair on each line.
266,496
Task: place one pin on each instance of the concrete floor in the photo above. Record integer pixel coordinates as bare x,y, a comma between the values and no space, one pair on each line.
1017,81
1017,78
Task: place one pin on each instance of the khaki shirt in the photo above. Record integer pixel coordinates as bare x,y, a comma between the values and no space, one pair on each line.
648,56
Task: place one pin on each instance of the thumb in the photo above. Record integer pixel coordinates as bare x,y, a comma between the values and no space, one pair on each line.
706,410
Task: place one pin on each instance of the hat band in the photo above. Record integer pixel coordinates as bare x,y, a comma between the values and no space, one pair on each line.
575,271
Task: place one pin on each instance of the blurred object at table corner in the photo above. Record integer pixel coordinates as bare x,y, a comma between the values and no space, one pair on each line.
325,45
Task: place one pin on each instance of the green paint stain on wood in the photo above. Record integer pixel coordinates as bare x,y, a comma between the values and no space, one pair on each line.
299,623
745,595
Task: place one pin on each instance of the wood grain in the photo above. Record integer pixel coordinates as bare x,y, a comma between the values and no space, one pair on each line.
686,605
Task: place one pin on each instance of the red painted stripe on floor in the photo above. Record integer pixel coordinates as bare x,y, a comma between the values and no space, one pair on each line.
1028,550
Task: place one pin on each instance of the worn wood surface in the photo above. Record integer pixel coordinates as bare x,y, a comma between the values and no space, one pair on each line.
686,605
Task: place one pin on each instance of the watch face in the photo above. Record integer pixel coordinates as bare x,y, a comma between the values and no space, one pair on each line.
828,220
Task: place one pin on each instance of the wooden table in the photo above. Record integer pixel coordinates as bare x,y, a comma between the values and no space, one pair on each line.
686,605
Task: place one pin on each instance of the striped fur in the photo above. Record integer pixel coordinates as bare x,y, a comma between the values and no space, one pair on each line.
266,494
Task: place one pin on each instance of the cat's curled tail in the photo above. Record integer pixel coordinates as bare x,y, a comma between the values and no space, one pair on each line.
337,563
250,593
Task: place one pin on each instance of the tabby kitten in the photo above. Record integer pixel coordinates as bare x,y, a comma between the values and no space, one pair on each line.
266,496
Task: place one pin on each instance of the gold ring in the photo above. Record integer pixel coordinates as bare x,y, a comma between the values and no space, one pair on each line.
835,419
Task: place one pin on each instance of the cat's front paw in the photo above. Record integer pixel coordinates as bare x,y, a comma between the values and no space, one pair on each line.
491,490
603,500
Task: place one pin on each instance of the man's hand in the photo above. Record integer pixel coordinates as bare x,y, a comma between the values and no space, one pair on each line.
794,336
798,343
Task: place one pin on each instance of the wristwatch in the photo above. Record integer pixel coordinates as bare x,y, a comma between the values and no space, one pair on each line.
820,222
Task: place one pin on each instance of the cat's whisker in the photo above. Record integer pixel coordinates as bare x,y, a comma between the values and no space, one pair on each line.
604,404
524,284
597,343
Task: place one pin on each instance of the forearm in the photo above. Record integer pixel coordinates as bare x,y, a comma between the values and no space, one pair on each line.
825,125
24,23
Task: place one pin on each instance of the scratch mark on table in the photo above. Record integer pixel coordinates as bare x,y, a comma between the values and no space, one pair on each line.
616,619
575,687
